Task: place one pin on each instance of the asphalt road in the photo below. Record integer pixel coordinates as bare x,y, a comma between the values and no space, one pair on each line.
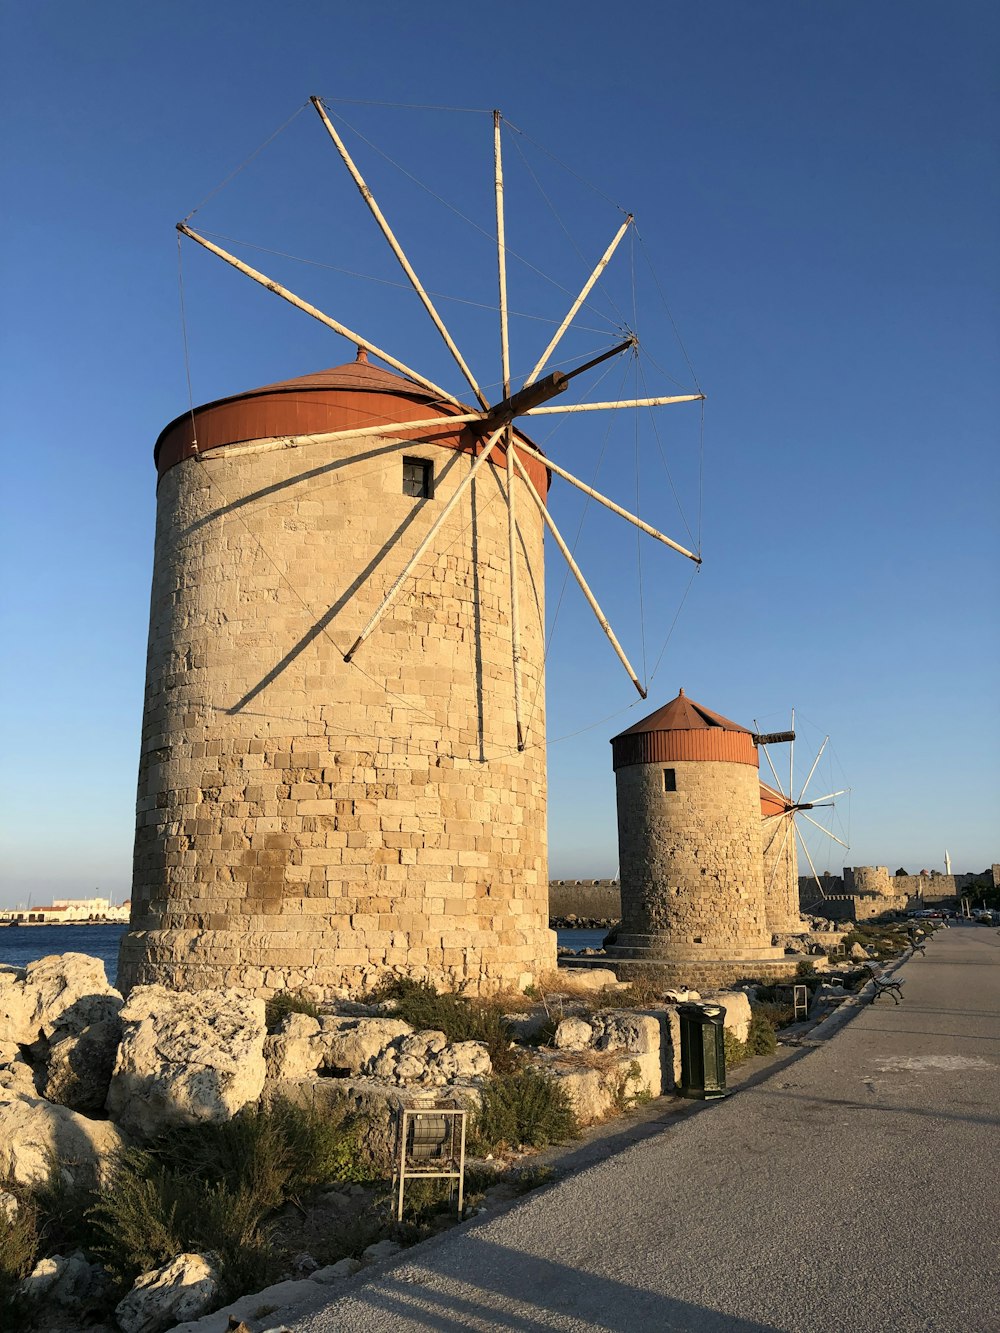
856,1189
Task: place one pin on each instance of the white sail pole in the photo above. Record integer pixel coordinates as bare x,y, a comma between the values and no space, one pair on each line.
432,532
813,769
772,768
577,573
615,508
512,560
815,823
396,248
621,402
774,864
585,292
802,840
334,324
791,758
829,796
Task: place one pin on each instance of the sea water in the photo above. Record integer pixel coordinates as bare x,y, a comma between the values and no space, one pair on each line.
25,944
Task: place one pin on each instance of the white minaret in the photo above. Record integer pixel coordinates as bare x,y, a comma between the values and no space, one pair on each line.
947,862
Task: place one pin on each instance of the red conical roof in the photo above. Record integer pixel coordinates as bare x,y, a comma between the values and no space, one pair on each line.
683,714
684,730
348,397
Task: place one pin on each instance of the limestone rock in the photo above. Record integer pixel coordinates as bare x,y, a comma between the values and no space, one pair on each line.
857,951
589,978
573,1034
61,1281
296,1049
13,1006
335,1272
79,1066
293,1291
382,1249
16,1075
182,1289
626,1030
350,1044
61,993
738,1013
426,1058
464,1060
9,1206
186,1058
33,1133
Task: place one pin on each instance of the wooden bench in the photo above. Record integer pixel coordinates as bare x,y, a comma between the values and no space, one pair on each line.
918,943
884,985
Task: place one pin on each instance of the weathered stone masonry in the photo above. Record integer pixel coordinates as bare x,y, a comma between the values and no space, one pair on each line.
689,839
306,822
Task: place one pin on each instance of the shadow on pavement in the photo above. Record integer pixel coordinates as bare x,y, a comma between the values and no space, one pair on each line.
551,1295
854,1105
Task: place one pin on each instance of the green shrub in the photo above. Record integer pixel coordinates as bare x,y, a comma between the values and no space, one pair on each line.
149,1214
761,1039
779,1013
460,1019
19,1248
211,1187
284,1003
523,1107
736,1051
806,968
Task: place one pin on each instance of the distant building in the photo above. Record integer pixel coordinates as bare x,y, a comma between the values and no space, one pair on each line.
65,911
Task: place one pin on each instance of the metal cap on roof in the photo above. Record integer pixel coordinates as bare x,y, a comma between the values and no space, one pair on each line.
684,730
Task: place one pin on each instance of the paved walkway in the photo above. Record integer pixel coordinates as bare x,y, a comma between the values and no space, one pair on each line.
855,1189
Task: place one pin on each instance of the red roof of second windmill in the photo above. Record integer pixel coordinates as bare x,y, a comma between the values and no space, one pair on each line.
683,730
683,714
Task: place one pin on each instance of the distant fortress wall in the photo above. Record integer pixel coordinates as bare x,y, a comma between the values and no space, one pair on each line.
599,899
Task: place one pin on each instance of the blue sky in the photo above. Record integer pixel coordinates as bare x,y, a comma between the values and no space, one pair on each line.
817,188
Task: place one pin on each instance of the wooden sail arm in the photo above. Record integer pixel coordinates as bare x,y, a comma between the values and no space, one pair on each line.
585,292
334,324
616,508
578,575
397,249
621,402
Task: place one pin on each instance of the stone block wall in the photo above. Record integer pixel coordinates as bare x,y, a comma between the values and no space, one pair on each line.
868,879
691,869
600,899
781,875
302,821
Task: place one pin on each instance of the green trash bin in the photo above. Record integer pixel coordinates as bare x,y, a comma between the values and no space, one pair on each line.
703,1051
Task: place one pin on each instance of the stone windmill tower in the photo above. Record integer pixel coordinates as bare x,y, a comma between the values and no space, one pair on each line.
689,837
343,753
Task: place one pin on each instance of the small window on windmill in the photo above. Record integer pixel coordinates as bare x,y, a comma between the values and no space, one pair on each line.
418,478
669,779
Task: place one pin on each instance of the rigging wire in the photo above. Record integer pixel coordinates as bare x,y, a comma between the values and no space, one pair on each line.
388,282
408,106
569,236
635,425
483,231
673,623
666,469
236,170
550,636
565,166
666,307
186,346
